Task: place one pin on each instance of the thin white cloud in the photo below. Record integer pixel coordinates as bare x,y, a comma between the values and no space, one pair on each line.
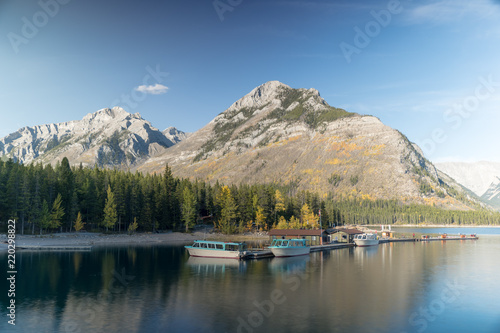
445,11
156,89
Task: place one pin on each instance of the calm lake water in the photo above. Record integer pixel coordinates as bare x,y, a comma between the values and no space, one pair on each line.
437,286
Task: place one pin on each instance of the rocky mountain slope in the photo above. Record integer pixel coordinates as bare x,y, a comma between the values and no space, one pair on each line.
108,137
292,136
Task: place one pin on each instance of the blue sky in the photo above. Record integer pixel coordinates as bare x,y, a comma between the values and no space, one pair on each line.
427,68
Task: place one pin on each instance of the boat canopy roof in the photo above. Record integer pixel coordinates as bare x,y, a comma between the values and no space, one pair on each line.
218,242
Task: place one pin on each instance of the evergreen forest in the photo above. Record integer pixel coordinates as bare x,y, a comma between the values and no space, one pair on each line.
45,199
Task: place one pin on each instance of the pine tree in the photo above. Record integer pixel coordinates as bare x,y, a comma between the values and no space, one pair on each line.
57,212
110,214
228,211
188,208
45,218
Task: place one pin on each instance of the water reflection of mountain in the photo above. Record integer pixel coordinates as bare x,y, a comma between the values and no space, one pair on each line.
215,266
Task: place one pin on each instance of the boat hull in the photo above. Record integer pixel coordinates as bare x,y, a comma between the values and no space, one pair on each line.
290,251
366,242
210,253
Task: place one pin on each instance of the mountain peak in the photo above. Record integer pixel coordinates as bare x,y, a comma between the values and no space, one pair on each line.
260,96
107,114
174,135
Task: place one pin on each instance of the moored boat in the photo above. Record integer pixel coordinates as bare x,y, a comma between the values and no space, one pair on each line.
289,247
214,249
366,240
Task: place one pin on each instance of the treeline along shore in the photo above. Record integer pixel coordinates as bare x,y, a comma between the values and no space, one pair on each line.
63,198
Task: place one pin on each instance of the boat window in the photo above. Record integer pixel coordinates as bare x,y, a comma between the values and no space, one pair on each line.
204,245
211,246
219,246
196,245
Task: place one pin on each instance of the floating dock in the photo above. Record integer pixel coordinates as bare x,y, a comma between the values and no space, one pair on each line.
447,238
332,246
259,254
395,240
55,247
265,253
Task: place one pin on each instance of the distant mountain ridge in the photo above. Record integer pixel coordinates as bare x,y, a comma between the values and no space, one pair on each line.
292,136
482,178
107,138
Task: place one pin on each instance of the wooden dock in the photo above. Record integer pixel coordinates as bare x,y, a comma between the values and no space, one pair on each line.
395,240
447,238
259,254
265,253
332,246
55,248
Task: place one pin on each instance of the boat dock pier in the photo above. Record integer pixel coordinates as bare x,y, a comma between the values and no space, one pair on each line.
331,246
446,238
428,238
396,240
259,254
55,248
264,253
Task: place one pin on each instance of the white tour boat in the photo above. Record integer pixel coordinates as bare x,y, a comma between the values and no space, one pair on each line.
289,247
366,240
213,249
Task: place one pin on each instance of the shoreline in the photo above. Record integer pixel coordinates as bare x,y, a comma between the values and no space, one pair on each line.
99,239
170,238
440,226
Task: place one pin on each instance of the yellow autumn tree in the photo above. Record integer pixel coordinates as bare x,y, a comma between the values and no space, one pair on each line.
249,225
282,223
227,219
79,223
308,218
280,203
260,218
294,223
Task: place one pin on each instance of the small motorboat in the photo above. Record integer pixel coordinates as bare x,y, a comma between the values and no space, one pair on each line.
289,247
366,240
